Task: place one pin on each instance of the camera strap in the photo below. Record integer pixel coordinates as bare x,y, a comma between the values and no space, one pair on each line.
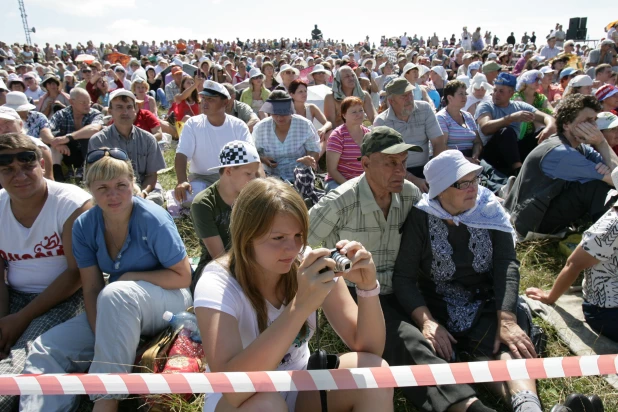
323,360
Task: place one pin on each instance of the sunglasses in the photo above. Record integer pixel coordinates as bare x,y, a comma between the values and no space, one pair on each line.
22,157
97,154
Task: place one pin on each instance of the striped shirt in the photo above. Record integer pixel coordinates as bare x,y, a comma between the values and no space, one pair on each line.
301,139
351,212
340,141
459,137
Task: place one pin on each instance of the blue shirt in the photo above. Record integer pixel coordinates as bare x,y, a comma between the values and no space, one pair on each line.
152,241
573,165
496,113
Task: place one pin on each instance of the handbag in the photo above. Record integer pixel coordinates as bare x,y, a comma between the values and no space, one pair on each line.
321,360
152,355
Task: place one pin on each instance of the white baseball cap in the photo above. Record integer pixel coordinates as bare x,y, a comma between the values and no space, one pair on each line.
214,89
121,92
607,120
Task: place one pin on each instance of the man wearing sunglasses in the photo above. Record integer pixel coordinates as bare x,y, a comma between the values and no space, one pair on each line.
141,146
42,288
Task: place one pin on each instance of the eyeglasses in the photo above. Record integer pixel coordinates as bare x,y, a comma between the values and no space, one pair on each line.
467,183
97,154
22,157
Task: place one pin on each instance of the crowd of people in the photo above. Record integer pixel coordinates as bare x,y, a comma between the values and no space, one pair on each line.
423,162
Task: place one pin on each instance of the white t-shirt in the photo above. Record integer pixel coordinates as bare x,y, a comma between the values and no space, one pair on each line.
202,142
34,94
600,286
35,255
218,290
404,41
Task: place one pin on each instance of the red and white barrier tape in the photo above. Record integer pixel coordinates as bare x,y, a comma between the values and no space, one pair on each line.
275,381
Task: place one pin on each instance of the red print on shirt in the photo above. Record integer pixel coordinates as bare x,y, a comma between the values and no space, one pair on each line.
50,246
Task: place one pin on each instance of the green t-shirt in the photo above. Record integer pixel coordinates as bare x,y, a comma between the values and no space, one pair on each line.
211,217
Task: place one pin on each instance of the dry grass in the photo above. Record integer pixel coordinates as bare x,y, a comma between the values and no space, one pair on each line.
540,263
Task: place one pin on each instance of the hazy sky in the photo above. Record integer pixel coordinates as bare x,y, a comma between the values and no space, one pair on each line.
59,21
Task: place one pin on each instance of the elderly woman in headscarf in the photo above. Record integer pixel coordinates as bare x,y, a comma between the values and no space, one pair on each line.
479,91
346,84
527,91
457,274
473,68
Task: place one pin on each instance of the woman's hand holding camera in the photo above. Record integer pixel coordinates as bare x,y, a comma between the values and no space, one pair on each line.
313,286
363,272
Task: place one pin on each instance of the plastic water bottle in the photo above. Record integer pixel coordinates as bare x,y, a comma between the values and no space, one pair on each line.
184,320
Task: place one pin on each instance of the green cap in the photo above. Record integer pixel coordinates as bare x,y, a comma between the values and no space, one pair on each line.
491,66
399,86
383,139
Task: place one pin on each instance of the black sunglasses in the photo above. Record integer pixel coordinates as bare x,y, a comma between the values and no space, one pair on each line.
22,157
98,154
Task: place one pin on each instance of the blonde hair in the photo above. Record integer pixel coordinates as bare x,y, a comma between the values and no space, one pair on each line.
135,83
252,217
107,168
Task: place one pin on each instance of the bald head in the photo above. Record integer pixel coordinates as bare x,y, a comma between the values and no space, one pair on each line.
80,100
76,92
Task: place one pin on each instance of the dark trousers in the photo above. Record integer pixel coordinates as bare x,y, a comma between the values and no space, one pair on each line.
602,320
492,179
576,201
79,150
502,151
406,345
527,144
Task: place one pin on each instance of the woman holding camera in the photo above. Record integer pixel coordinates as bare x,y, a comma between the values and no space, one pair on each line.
256,306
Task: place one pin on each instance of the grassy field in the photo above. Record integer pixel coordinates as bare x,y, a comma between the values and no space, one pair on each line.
540,263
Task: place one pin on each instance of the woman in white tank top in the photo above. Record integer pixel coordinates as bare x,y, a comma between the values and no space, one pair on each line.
299,91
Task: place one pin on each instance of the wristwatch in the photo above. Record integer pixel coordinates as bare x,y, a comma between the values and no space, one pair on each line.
70,137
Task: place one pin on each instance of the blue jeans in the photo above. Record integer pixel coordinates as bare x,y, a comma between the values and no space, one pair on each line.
159,95
602,320
331,185
125,310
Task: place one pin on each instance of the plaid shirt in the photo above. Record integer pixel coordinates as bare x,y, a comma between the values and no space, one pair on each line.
63,122
351,212
302,138
171,90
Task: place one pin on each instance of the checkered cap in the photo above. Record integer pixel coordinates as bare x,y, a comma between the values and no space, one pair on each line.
237,153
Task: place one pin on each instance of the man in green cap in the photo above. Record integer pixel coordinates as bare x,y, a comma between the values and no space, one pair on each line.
370,209
416,121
